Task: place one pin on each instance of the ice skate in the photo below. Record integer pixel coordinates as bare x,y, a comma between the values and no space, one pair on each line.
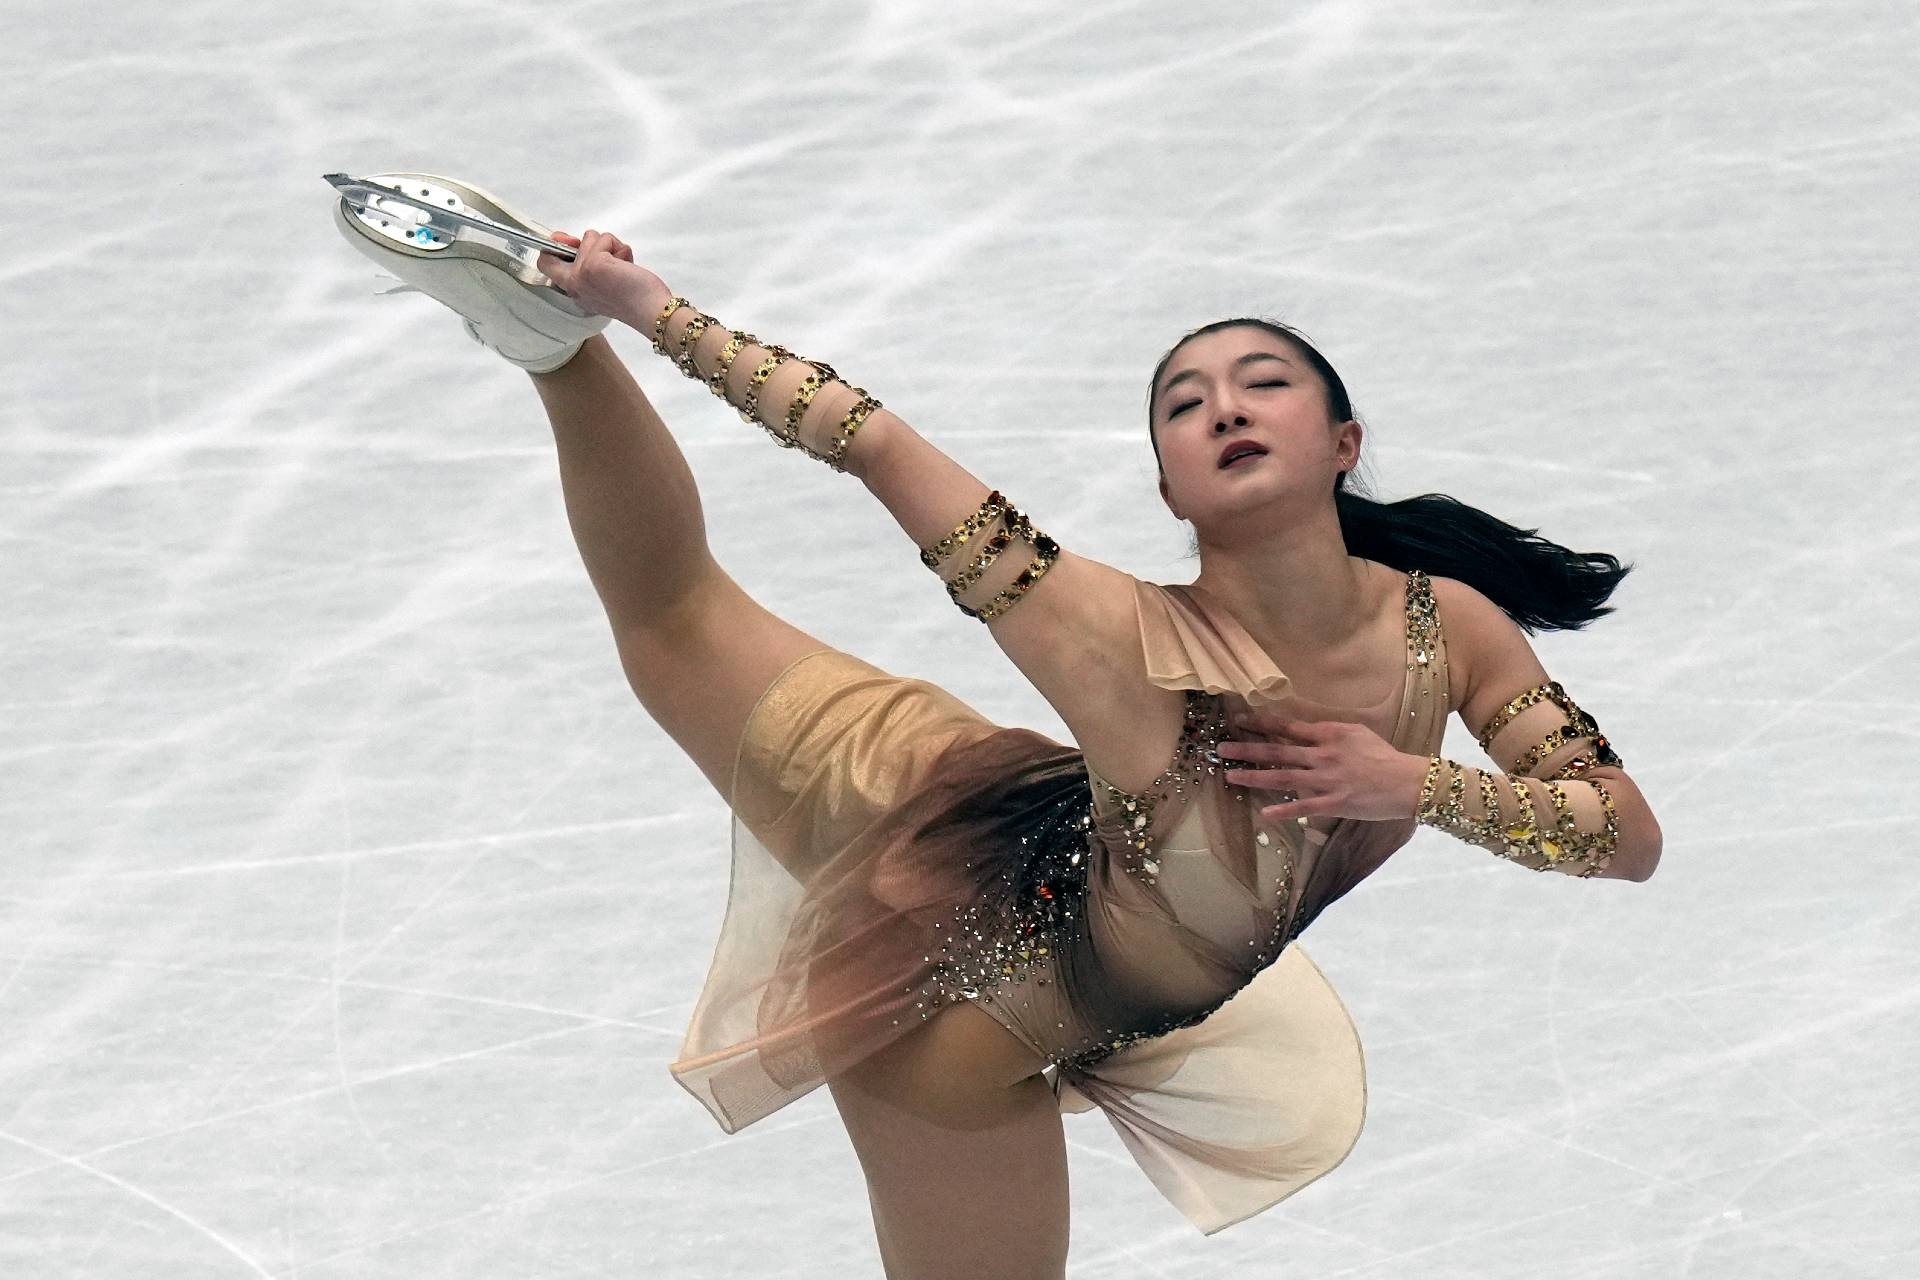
463,247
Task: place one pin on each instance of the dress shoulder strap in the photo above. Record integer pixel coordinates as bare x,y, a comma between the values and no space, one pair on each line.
1425,644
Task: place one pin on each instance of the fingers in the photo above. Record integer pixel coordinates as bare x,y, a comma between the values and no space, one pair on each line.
1299,811
598,240
1286,766
613,244
593,242
1266,779
1274,776
559,270
1293,803
1258,752
565,275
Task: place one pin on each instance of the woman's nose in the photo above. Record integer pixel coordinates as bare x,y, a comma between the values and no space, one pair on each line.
1239,420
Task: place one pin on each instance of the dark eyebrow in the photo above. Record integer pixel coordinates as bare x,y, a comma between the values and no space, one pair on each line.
1248,358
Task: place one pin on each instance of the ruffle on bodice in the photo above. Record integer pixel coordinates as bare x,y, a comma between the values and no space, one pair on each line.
1188,646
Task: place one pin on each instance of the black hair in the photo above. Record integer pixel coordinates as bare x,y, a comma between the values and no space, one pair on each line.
1541,585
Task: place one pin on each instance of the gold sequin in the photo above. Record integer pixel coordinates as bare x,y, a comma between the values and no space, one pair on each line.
737,341
660,322
803,397
750,405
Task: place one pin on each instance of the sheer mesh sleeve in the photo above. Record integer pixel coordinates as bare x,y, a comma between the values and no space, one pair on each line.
1539,812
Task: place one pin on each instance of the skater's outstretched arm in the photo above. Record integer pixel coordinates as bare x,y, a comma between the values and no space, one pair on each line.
1075,637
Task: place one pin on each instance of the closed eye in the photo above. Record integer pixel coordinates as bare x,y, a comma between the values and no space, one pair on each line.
1175,412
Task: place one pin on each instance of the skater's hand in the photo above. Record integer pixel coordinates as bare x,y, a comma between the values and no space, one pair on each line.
1336,768
603,277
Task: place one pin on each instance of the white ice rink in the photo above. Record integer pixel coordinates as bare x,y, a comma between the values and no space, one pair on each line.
351,909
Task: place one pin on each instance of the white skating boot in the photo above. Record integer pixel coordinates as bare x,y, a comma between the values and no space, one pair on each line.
456,256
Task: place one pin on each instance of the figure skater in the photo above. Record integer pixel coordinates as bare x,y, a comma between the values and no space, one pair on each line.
965,929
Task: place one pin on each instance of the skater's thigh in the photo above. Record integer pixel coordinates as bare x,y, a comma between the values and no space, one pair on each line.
699,669
966,1174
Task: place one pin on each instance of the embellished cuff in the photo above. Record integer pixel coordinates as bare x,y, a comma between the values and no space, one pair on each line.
1013,527
1540,721
823,442
1546,825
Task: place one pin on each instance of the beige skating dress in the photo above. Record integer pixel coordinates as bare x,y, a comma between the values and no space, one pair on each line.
894,851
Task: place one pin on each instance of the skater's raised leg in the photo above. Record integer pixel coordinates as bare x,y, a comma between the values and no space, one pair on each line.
697,650
630,495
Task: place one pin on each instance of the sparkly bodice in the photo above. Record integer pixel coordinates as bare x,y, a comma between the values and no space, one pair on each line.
1209,708
1193,848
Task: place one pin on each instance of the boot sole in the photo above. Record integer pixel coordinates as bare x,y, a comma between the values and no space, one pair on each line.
518,263
475,278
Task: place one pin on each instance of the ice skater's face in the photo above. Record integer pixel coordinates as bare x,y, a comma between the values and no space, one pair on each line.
1245,386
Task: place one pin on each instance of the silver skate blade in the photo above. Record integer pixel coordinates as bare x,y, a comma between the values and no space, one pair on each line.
375,197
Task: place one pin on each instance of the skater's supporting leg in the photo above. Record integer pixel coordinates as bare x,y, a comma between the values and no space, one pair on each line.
966,1173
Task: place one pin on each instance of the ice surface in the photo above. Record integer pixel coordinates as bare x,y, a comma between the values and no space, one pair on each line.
350,907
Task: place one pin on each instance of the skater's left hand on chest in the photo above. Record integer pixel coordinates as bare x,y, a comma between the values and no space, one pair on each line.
1335,768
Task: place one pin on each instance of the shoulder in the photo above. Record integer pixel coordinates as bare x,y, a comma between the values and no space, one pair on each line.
1465,610
1488,655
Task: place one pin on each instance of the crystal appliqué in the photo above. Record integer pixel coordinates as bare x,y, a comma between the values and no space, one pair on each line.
1196,757
1015,926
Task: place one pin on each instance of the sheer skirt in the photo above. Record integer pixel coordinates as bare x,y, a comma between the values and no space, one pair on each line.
894,851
